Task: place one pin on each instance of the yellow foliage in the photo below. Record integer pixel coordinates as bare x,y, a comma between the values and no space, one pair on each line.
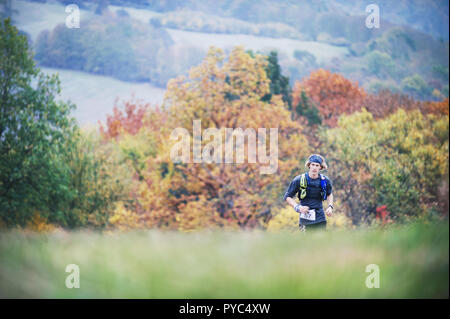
339,221
196,215
398,159
286,219
39,224
124,219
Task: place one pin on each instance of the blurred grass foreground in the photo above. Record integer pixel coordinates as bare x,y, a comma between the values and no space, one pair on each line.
412,259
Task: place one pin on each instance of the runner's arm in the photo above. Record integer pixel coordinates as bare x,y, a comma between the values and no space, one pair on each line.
291,201
330,201
292,190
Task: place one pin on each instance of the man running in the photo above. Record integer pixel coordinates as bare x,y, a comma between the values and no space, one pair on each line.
312,189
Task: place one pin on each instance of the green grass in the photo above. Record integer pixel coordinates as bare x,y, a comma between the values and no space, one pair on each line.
413,263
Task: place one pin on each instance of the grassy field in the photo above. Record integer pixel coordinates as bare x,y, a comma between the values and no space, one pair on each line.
95,94
322,51
413,262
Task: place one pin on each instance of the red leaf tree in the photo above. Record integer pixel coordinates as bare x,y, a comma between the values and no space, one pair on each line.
332,93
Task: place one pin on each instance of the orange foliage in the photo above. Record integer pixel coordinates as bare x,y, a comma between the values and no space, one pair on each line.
332,93
386,103
440,107
130,122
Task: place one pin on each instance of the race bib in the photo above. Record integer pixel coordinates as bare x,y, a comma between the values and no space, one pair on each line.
310,215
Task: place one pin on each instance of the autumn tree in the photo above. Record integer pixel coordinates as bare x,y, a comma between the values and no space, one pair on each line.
227,93
332,93
222,92
385,103
437,107
400,161
129,121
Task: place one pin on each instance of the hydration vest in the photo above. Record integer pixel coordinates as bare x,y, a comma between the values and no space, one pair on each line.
304,183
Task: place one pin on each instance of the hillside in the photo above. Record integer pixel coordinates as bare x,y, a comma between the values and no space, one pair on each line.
150,42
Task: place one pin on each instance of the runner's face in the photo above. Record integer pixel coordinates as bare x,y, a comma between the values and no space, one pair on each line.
314,168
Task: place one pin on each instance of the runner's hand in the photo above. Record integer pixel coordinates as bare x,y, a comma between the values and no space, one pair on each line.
304,209
329,212
301,209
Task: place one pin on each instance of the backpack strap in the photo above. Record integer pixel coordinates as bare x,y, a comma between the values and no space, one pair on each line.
303,185
323,184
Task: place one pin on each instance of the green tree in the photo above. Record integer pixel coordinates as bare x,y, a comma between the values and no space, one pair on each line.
279,84
35,132
305,107
440,71
97,181
416,86
380,64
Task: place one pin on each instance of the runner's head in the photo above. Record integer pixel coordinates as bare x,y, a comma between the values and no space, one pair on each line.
317,161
